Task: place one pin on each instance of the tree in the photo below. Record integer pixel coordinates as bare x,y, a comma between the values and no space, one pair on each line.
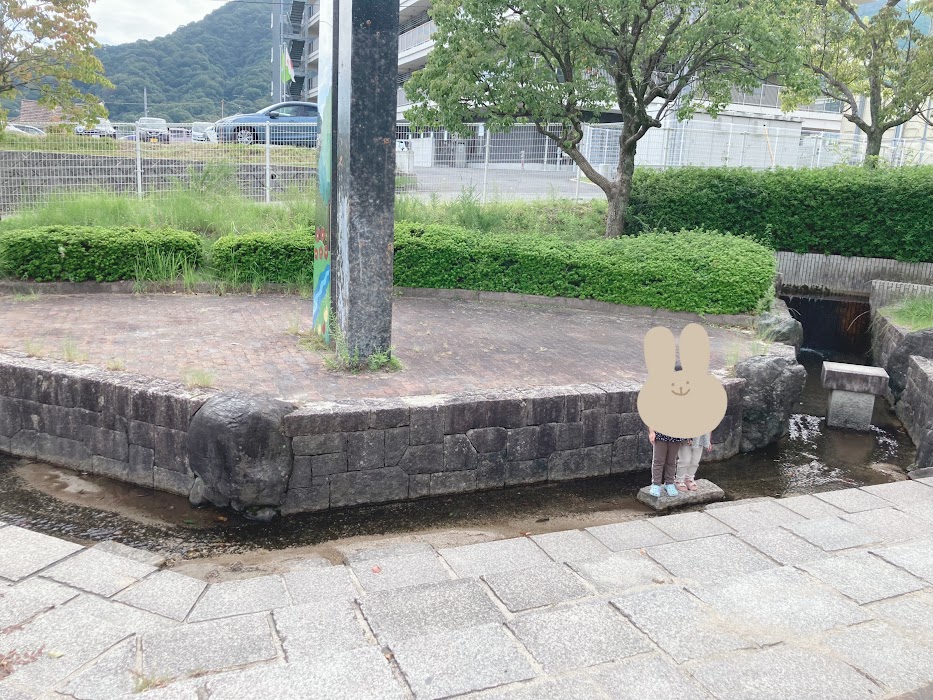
566,62
47,47
879,67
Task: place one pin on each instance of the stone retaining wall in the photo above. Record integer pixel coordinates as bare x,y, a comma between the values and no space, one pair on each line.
915,409
838,275
885,293
892,345
368,451
114,424
332,455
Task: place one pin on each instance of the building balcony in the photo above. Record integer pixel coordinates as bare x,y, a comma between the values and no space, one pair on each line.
770,96
292,30
416,37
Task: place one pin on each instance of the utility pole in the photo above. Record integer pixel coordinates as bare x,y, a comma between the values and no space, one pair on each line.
145,102
221,108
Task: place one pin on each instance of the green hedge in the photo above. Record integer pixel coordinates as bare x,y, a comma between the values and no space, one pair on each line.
81,253
700,271
286,257
884,213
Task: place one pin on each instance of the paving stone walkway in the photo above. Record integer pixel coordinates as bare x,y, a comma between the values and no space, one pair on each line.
804,597
245,342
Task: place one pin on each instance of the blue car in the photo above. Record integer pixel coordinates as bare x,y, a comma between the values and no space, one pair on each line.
290,124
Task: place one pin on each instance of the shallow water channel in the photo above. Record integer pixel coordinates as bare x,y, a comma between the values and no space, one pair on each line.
86,508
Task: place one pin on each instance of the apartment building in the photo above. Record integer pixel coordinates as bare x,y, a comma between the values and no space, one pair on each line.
295,28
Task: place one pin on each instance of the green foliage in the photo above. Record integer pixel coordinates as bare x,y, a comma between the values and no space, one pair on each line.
572,221
210,214
81,253
700,271
47,50
225,56
562,63
915,313
843,211
285,257
341,359
882,52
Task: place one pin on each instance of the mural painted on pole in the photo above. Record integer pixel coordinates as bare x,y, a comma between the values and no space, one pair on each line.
321,321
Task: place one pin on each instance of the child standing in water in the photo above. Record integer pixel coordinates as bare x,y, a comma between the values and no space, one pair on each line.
688,460
664,462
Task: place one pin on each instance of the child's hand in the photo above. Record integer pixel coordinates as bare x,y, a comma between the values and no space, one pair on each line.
709,448
651,436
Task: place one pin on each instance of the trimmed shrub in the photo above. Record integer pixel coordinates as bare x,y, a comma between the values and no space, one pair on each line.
81,253
285,257
699,271
881,213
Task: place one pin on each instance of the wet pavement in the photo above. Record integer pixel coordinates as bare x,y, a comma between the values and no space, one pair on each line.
823,597
86,508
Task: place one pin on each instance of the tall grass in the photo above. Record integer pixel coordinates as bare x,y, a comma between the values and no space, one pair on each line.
553,217
916,313
211,214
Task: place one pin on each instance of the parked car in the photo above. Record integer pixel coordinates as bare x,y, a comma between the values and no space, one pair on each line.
200,131
179,133
153,130
103,128
290,124
29,129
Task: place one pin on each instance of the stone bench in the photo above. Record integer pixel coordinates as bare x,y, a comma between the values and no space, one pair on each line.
854,388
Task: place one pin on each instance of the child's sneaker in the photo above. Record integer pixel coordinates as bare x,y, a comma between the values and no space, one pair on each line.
671,489
655,491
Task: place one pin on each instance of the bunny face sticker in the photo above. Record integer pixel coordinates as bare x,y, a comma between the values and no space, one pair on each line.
684,403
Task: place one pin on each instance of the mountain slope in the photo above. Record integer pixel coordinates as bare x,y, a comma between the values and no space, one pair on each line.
224,56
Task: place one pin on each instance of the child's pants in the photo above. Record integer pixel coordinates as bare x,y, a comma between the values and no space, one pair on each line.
664,463
688,459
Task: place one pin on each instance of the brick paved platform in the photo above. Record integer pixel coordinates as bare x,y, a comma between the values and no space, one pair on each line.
800,598
244,342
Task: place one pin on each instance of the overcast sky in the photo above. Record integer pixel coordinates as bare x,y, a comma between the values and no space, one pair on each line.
120,21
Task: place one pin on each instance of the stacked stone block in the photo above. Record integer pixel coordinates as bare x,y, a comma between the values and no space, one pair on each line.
356,452
113,424
915,409
344,453
893,345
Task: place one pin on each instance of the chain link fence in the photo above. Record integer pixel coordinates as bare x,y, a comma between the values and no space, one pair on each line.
271,161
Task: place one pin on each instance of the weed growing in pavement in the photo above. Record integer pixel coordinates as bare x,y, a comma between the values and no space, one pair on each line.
33,348
198,379
71,353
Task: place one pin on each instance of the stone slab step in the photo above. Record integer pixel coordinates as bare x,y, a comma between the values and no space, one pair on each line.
138,555
707,492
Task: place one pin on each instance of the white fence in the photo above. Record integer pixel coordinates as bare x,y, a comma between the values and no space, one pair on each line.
267,162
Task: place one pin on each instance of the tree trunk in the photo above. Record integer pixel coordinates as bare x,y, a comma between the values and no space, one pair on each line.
873,148
615,214
621,192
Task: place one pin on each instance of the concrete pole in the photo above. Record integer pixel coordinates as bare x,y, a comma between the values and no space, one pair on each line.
486,164
356,172
268,165
139,165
